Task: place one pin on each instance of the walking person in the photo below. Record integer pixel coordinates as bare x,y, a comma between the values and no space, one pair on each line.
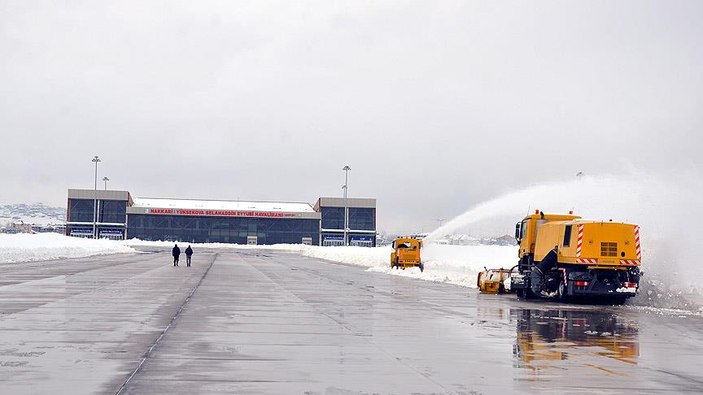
176,254
189,253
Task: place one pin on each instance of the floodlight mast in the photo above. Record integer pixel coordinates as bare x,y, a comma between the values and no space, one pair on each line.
346,170
95,160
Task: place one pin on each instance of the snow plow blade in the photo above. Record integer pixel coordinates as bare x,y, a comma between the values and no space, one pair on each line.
493,281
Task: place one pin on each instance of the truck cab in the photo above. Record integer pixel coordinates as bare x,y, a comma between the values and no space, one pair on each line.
526,235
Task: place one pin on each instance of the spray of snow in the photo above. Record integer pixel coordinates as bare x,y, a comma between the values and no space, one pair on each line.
48,246
666,210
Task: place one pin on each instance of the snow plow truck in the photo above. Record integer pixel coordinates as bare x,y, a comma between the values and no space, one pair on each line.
565,257
406,253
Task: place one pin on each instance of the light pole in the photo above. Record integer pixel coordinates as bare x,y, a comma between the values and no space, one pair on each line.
106,180
95,160
346,209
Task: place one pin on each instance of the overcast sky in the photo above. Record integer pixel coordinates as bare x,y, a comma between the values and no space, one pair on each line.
436,106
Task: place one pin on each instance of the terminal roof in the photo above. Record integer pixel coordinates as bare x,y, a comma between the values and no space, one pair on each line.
193,204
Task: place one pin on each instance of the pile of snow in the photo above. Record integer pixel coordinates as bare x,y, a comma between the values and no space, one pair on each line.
450,264
362,256
47,246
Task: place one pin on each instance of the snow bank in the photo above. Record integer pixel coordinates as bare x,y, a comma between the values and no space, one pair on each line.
46,246
450,264
362,256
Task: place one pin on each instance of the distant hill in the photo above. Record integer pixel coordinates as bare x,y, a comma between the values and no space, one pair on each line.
35,214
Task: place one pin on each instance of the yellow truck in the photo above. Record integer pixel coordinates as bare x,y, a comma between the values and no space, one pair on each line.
562,256
406,253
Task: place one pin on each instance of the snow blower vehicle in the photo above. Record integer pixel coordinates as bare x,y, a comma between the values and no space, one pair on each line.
493,281
564,257
406,253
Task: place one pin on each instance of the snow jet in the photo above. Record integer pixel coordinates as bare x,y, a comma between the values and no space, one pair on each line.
666,208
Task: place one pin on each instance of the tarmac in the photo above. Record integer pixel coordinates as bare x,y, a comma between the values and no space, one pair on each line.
262,322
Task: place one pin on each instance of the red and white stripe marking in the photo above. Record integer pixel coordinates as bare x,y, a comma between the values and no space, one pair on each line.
589,261
579,242
633,262
638,249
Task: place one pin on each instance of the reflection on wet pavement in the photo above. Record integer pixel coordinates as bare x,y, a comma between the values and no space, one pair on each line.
556,339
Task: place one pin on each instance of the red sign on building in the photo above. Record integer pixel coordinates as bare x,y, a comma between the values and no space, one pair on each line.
221,213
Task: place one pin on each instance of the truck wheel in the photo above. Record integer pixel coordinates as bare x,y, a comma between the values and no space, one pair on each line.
525,294
422,267
528,294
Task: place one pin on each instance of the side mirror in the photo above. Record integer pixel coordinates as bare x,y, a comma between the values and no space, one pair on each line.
517,231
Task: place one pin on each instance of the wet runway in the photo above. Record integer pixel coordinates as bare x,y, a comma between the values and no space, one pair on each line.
255,322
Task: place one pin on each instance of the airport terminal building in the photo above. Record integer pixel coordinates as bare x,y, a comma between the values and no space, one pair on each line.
121,216
361,227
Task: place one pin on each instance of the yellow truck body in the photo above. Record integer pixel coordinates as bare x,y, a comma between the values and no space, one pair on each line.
406,253
566,256
600,243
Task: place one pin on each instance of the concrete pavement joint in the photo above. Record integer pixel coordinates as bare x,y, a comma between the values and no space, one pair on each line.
163,333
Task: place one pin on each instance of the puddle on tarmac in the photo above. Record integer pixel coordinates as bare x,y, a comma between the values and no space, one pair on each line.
559,339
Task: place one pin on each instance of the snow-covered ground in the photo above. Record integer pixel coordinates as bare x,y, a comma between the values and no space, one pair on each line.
47,246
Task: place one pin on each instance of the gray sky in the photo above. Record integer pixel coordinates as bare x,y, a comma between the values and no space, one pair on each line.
436,106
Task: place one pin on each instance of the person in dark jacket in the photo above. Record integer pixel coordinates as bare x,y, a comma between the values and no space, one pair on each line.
189,253
176,254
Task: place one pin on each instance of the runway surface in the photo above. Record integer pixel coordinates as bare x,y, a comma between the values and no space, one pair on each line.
261,322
